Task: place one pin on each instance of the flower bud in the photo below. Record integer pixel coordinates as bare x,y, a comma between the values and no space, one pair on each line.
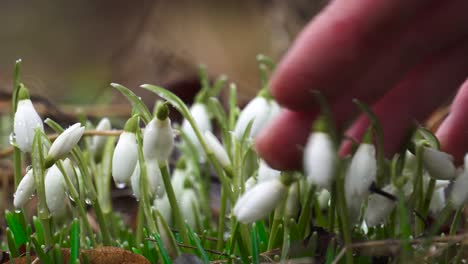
266,173
218,150
319,160
158,139
360,175
64,143
125,158
25,190
439,164
259,110
189,207
26,121
260,201
55,191
98,142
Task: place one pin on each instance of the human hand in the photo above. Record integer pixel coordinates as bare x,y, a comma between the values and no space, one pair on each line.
404,58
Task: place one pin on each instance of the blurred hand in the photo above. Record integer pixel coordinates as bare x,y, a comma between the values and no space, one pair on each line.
405,58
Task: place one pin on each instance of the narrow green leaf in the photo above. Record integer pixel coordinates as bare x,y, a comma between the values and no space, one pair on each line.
58,254
11,243
218,86
254,241
17,230
39,230
136,102
262,235
43,256
75,241
233,109
195,240
164,256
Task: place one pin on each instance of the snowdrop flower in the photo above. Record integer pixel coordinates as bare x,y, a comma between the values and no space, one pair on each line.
259,201
439,164
438,201
25,190
319,157
55,191
26,121
164,207
217,149
379,207
179,176
293,205
64,143
360,175
202,119
98,142
189,207
70,171
260,111
266,173
125,155
158,137
155,181
250,183
135,181
459,193
323,198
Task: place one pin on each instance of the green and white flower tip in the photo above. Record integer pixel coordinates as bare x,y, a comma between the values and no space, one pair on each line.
202,119
25,190
379,207
64,143
261,110
320,156
439,164
459,193
125,155
266,173
26,121
55,191
217,149
98,142
258,202
360,175
189,207
158,137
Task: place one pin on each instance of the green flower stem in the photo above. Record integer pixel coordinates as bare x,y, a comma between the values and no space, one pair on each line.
16,152
277,221
221,221
173,202
418,194
342,211
79,203
39,177
304,218
17,166
453,231
102,224
140,224
424,209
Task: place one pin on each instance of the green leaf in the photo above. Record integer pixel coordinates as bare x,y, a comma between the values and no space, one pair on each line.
254,241
262,236
16,85
39,230
195,240
164,256
16,228
136,102
58,254
43,256
11,243
75,241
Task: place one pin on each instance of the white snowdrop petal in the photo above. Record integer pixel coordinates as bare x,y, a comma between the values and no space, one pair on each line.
379,207
164,207
292,201
251,182
323,198
25,190
319,160
66,141
26,121
188,207
438,201
202,119
125,158
217,148
155,181
135,181
259,201
439,164
98,142
158,139
266,173
459,193
55,190
257,110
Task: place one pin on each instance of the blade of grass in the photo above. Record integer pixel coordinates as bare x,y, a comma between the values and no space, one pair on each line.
196,241
75,241
254,241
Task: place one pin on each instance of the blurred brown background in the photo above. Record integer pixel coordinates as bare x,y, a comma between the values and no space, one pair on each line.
72,50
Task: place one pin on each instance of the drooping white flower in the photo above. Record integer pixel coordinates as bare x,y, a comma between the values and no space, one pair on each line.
319,160
135,181
379,207
459,193
26,121
266,173
179,176
217,148
439,164
189,207
260,111
323,198
98,142
65,142
259,201
164,207
55,190
25,189
293,204
125,155
70,171
202,119
158,139
360,175
155,181
438,201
